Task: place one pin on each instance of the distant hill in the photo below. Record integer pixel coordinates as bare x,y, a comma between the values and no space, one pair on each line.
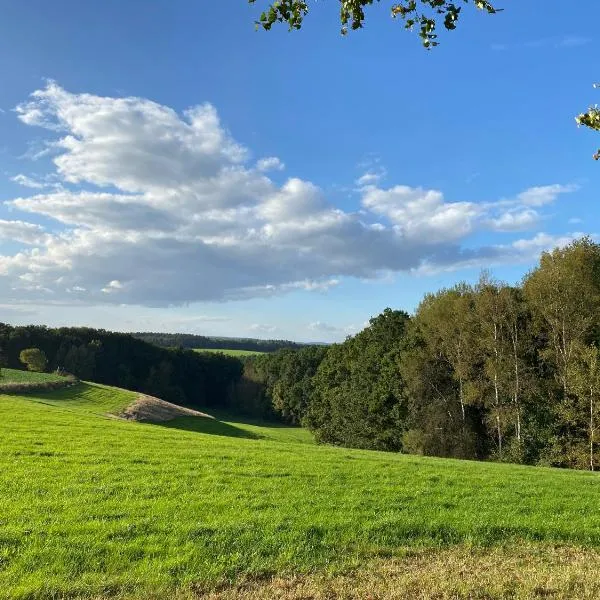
189,340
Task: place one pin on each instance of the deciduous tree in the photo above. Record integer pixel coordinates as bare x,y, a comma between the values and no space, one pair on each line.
591,119
34,358
359,396
583,412
564,294
423,15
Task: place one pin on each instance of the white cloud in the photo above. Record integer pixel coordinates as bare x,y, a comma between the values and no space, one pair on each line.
518,252
28,182
545,194
421,214
21,231
163,209
371,177
271,163
322,327
515,220
113,286
263,328
542,242
47,182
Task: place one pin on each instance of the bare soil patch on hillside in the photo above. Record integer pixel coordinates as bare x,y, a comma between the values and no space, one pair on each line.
148,409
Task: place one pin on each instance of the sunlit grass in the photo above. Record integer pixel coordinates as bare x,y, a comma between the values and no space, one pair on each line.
92,506
18,376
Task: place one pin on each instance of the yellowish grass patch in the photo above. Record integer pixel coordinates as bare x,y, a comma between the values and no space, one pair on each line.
522,572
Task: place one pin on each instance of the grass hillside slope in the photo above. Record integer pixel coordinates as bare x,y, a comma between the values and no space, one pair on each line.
18,376
95,507
15,381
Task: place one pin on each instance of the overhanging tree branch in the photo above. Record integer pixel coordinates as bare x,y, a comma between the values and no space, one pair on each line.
424,15
591,119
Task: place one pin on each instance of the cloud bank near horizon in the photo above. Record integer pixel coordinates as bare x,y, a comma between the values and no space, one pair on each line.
150,207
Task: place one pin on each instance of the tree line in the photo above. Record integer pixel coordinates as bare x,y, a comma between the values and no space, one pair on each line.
484,371
177,375
189,340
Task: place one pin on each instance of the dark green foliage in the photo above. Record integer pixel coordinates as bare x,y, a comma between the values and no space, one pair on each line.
591,119
34,359
423,15
288,379
177,375
189,340
435,425
359,396
564,296
482,372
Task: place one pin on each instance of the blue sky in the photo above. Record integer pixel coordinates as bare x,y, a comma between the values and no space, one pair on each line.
179,171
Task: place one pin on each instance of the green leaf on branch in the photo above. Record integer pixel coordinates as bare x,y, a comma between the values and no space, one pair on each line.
424,13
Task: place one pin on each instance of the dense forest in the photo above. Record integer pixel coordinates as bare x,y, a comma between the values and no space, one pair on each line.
178,375
189,340
485,371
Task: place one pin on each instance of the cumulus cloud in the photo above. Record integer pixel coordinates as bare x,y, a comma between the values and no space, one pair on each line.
520,251
422,214
21,231
516,220
271,163
322,327
161,208
545,194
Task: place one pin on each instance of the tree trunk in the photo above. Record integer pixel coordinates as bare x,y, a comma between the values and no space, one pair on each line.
499,436
497,391
517,383
462,401
592,431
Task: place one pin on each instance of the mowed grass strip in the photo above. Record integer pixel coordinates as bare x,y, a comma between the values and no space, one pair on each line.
84,397
93,507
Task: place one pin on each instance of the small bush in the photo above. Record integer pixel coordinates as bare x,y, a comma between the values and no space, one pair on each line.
35,359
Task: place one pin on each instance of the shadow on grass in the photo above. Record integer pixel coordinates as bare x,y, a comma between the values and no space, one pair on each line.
231,417
210,427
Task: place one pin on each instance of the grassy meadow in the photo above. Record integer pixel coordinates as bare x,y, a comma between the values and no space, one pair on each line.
18,376
95,507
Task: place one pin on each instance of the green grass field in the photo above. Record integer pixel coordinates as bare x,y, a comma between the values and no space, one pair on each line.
230,352
95,507
17,376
